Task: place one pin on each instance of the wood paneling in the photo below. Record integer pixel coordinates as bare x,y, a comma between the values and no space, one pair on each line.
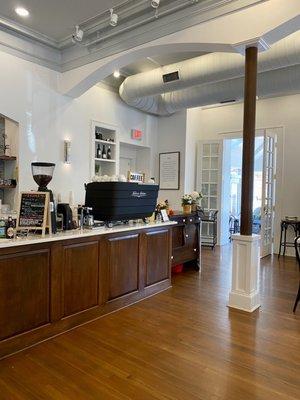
49,288
24,291
80,277
183,344
158,260
123,265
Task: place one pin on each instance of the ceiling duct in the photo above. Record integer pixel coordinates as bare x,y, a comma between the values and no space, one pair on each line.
213,78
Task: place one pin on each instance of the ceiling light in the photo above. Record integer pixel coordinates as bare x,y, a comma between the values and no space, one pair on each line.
117,74
113,18
21,11
155,3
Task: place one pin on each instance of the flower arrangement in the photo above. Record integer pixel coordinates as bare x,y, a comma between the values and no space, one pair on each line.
196,197
186,200
162,205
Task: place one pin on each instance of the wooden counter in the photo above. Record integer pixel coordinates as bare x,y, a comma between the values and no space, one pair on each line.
49,287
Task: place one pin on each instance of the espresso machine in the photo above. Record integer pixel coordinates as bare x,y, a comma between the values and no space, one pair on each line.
42,173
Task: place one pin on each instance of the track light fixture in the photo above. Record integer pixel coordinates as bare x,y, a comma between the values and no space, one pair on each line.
113,18
155,3
78,35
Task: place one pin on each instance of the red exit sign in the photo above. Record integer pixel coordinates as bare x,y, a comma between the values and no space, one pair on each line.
136,134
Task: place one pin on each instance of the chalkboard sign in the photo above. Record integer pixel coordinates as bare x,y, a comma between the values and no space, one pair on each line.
33,211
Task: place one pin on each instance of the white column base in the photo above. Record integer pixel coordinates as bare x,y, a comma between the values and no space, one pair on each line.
244,294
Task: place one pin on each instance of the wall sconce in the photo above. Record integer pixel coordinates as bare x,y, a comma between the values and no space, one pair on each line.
67,151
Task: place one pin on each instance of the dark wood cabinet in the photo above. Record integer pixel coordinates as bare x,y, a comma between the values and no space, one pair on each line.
186,239
24,291
80,277
48,288
157,262
122,265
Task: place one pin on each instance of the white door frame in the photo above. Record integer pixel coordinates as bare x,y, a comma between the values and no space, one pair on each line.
279,131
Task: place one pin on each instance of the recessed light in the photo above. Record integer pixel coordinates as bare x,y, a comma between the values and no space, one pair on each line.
117,74
21,11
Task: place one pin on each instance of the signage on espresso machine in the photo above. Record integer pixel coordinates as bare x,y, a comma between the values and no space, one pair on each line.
138,195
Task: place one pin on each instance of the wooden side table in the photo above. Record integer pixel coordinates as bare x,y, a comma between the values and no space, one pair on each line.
186,243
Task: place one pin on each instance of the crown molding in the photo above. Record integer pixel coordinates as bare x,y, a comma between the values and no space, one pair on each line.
64,55
22,31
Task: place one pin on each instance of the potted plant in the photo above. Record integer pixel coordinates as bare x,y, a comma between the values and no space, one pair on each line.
196,198
186,202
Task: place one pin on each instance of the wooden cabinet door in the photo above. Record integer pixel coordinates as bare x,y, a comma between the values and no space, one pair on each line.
80,277
157,256
24,291
120,260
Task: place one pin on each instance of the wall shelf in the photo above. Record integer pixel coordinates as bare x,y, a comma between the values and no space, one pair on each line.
7,158
104,160
105,142
104,166
8,186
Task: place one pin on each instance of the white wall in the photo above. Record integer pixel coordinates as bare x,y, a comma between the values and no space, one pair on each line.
172,137
209,124
29,96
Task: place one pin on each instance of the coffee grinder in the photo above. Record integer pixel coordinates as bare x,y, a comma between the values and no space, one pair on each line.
42,173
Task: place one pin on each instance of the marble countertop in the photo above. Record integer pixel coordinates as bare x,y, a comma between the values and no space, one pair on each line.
75,234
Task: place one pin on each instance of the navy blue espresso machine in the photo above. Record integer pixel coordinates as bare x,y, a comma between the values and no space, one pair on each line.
121,201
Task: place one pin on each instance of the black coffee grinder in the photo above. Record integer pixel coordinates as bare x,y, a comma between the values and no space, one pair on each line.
42,173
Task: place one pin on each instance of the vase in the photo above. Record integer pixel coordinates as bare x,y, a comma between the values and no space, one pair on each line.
187,208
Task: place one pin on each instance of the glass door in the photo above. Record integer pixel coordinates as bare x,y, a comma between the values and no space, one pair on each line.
268,193
209,173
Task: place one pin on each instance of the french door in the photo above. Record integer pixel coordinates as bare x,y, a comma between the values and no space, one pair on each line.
209,173
268,193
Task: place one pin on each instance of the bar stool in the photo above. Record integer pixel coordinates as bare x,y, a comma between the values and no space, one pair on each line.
297,248
285,225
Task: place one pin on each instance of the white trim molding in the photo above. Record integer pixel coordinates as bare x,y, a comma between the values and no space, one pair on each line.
244,294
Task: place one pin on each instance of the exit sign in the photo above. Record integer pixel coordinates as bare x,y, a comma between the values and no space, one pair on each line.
136,134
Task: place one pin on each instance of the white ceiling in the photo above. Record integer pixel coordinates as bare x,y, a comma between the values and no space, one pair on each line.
150,63
55,18
147,64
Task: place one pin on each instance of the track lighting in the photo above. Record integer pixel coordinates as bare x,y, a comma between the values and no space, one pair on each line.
155,3
113,18
78,35
117,74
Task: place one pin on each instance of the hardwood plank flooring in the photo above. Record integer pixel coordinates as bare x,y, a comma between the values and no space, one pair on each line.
183,344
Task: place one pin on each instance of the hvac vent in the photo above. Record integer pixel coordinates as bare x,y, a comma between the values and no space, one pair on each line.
172,76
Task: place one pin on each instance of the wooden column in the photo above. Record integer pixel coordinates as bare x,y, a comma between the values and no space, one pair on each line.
248,140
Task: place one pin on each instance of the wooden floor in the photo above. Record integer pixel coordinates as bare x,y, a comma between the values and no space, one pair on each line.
182,344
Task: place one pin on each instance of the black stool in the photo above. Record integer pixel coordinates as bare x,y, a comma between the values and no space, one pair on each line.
285,224
297,248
